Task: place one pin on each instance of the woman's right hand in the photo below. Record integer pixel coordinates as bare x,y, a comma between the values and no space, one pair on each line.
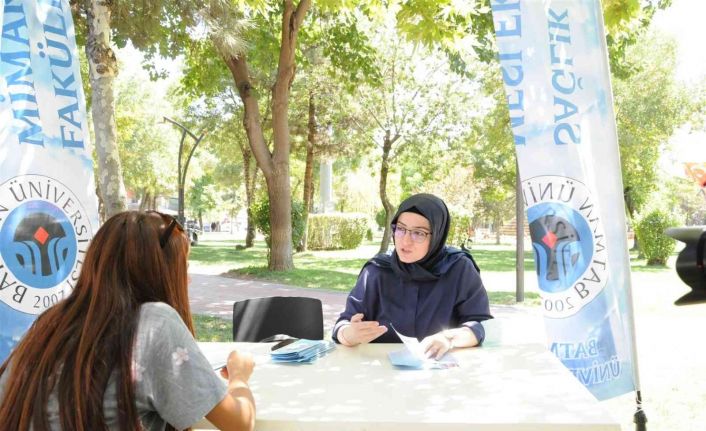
359,331
236,411
239,366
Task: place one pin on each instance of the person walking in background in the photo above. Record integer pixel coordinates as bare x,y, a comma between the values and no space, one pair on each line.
424,289
118,353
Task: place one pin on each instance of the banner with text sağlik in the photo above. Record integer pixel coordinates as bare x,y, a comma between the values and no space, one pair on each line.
555,69
48,208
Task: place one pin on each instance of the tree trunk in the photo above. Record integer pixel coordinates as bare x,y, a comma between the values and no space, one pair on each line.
99,195
389,209
631,210
309,170
274,165
250,235
103,68
250,181
498,223
145,199
250,175
279,192
636,246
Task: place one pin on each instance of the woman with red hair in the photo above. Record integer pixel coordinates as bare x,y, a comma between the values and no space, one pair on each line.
118,353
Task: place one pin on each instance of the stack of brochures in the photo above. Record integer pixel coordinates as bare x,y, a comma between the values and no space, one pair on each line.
302,351
412,357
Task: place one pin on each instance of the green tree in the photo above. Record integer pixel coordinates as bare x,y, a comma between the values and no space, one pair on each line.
145,145
236,168
321,118
263,75
274,163
684,200
649,105
201,197
493,156
156,27
413,114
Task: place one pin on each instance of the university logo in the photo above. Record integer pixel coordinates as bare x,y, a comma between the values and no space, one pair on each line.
568,242
44,232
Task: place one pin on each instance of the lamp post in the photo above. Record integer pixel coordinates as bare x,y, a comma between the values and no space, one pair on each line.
181,173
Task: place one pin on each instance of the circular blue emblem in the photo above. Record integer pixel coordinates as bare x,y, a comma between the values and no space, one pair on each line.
38,244
562,243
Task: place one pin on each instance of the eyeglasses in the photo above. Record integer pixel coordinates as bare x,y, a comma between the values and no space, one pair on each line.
418,236
173,223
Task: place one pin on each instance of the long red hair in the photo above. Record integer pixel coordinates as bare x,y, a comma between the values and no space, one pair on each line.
76,345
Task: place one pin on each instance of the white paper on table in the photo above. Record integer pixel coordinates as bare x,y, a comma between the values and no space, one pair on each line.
414,357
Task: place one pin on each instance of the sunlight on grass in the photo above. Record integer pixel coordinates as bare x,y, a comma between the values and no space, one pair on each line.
640,265
508,298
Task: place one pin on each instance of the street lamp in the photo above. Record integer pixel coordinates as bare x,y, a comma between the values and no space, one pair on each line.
181,173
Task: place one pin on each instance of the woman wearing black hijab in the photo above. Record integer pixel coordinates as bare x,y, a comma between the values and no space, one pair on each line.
424,289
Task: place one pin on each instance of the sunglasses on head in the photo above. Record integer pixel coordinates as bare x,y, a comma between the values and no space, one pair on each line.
173,223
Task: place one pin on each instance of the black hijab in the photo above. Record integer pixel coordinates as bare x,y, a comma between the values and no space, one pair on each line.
433,264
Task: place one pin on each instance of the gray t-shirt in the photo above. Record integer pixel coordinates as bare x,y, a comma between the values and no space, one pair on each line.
174,382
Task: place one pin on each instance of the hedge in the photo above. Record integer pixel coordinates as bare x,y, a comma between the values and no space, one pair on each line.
333,231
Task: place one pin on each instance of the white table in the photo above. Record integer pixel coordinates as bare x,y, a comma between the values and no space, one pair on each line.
522,387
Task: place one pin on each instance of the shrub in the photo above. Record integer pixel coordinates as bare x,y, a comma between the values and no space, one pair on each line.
380,218
369,234
336,231
654,244
261,218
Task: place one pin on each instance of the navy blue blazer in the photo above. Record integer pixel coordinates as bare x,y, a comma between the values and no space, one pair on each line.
419,308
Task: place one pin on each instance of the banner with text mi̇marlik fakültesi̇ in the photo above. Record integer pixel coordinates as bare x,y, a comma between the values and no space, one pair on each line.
555,70
48,208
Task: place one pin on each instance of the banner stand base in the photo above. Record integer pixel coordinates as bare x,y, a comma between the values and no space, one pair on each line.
639,418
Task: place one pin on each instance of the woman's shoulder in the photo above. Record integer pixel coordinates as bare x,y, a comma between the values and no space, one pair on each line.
380,263
458,260
158,313
159,326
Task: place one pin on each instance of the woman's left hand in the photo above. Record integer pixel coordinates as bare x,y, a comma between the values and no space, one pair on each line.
436,345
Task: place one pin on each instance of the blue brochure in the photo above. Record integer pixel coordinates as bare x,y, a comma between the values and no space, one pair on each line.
302,351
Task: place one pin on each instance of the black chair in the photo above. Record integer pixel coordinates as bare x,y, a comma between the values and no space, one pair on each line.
261,319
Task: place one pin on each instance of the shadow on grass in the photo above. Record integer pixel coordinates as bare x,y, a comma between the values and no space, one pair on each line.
211,328
219,252
339,280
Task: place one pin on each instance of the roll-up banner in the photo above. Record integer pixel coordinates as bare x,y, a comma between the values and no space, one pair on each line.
48,208
555,69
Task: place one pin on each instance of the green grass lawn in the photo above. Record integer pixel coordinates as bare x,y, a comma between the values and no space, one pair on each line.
640,265
333,270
